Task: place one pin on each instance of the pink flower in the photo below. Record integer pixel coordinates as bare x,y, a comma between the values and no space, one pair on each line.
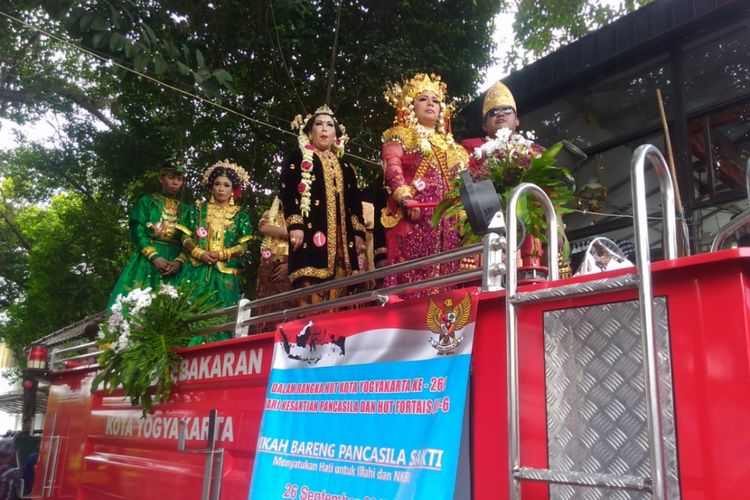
310,147
306,165
301,187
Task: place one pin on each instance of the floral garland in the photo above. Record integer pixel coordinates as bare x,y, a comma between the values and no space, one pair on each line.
305,185
133,303
308,150
424,133
507,143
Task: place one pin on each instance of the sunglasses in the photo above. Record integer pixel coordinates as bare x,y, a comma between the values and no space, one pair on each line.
506,110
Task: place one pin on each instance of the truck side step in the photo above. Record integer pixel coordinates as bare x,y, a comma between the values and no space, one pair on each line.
597,480
577,289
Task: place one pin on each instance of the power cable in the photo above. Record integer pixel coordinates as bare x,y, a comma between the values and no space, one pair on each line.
160,82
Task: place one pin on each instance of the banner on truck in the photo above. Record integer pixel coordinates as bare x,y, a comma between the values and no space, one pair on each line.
368,404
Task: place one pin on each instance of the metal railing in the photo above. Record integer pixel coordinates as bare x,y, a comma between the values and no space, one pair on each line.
656,484
511,284
646,295
742,220
371,296
242,314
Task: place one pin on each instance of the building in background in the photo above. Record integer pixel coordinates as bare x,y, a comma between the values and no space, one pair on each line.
12,395
600,93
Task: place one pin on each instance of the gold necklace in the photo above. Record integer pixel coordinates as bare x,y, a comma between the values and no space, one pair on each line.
218,220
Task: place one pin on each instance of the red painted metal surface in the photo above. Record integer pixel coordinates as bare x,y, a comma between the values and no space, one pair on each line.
108,451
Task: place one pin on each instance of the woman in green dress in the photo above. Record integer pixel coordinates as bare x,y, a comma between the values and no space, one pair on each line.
158,256
216,236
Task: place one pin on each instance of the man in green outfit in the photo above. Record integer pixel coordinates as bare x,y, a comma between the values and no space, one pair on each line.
152,220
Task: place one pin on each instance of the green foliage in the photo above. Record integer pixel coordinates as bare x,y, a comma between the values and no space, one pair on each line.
139,339
507,167
542,26
68,269
266,59
62,234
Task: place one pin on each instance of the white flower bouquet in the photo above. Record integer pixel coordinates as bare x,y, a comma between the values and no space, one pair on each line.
138,339
508,160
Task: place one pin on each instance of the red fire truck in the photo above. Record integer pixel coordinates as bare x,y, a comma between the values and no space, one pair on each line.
630,383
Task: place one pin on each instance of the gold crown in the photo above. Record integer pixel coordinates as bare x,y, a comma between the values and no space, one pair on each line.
498,96
299,123
323,110
240,172
400,96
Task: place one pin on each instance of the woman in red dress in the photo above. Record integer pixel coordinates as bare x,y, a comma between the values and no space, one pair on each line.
420,159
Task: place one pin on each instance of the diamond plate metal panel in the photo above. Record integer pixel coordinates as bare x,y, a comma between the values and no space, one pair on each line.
596,413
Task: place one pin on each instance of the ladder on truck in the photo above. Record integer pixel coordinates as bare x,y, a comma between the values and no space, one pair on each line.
654,484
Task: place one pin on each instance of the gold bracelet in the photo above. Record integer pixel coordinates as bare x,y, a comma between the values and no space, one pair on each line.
402,192
197,252
148,252
235,251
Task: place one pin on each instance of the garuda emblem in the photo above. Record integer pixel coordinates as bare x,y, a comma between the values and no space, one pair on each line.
447,323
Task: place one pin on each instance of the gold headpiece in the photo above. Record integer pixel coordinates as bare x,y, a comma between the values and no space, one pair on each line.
401,97
240,172
323,110
299,123
498,96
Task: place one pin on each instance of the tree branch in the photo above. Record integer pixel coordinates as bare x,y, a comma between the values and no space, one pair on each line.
24,242
34,92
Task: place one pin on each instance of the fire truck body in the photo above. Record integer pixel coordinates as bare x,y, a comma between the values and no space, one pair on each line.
581,394
98,446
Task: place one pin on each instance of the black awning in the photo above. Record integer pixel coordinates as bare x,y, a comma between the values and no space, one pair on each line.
625,41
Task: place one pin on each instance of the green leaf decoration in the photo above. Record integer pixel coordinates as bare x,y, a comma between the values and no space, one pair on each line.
440,210
139,339
512,164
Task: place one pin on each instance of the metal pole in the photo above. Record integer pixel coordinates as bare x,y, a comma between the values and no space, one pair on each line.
455,254
493,263
511,284
645,295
